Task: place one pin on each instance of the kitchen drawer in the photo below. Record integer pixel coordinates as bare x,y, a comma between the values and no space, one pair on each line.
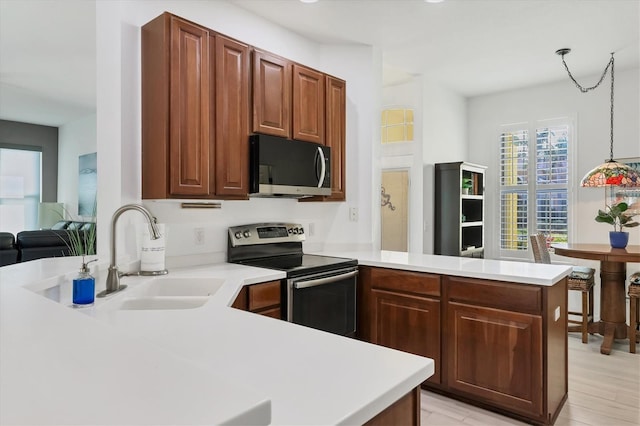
495,294
264,295
406,282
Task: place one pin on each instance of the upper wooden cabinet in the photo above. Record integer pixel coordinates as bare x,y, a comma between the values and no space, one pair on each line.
335,135
195,112
231,117
271,94
308,104
198,91
176,135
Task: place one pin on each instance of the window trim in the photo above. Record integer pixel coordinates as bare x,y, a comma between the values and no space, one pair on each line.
531,126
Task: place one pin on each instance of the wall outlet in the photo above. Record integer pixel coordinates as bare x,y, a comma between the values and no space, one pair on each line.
556,313
311,229
198,236
353,214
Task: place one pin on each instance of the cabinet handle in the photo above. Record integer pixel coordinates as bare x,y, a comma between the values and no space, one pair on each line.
322,168
321,281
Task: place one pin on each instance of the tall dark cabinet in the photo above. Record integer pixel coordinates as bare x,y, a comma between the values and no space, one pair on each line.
459,209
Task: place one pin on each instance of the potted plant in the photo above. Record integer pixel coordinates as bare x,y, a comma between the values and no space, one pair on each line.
617,216
466,185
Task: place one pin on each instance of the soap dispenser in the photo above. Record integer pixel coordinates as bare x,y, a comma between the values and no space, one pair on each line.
84,286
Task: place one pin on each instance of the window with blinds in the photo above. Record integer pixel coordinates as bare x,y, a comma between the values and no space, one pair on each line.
546,184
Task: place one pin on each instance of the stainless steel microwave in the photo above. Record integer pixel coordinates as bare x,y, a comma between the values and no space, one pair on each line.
280,167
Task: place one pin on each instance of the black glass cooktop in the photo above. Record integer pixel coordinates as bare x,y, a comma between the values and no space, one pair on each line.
302,264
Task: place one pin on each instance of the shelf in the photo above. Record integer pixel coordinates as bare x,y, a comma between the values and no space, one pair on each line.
458,217
468,224
470,252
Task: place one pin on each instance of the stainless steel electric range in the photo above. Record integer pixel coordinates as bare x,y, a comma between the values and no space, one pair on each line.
318,291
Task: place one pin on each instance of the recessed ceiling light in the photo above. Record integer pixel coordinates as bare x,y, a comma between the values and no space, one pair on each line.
434,1
308,1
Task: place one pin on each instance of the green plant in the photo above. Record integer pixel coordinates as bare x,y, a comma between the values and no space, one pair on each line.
81,242
617,216
467,183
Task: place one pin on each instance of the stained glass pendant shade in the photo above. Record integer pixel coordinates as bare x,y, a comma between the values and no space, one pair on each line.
611,172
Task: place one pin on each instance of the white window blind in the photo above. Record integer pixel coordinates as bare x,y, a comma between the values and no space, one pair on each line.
547,184
20,172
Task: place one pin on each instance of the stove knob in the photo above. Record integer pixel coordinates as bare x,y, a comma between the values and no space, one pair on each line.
290,230
246,234
238,235
300,230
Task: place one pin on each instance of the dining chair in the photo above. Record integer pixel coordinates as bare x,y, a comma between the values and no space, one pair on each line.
581,279
634,307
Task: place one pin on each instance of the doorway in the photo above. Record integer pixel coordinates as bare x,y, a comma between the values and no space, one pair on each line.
394,210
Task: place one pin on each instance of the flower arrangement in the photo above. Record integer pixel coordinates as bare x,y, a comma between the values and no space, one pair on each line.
617,216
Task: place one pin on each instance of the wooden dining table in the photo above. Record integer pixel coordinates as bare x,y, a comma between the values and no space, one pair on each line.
613,274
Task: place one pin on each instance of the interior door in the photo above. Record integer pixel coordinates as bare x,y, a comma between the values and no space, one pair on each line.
394,210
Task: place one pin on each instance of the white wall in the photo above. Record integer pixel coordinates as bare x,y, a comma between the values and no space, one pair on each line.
408,155
118,126
75,138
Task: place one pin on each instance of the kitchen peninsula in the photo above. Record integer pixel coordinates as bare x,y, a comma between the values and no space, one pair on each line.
214,364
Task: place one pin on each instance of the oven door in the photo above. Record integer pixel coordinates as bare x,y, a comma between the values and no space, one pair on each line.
324,301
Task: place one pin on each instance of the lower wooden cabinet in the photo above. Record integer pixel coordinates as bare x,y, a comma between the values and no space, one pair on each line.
405,411
405,313
408,323
496,355
496,344
263,299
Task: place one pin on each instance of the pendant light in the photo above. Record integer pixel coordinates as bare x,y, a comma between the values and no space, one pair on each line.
610,172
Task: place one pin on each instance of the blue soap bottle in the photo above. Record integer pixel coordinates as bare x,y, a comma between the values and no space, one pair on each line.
84,286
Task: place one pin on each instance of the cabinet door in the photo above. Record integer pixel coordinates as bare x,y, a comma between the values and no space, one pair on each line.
189,141
335,136
495,356
408,323
271,94
231,117
241,301
308,104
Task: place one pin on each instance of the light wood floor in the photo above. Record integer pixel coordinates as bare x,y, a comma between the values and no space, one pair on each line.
603,391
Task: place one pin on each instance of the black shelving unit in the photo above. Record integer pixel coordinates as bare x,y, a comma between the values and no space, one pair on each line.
459,209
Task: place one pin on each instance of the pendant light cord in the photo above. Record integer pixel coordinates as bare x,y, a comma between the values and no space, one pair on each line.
587,89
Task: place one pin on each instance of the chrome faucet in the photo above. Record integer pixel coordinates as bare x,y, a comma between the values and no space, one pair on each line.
113,278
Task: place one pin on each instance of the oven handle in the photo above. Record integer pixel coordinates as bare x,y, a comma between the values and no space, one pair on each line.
322,281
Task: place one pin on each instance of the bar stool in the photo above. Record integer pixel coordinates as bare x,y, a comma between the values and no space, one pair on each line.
634,314
581,279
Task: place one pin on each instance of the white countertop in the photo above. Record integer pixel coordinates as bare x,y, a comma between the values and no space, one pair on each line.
208,365
500,270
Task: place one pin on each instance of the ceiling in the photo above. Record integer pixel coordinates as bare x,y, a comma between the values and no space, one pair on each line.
474,47
47,60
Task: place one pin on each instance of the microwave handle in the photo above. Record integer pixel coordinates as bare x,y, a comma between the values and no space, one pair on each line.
322,167
327,280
